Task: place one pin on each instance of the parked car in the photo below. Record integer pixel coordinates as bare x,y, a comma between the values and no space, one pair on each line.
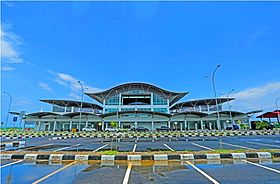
140,129
89,129
163,129
233,127
110,129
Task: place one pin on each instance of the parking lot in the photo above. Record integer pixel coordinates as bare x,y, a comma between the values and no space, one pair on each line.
138,144
226,171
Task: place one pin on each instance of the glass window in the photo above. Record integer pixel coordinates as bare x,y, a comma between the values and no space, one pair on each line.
57,109
111,110
144,109
114,100
164,110
157,100
127,109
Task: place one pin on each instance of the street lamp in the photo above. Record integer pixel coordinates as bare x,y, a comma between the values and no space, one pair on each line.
276,103
8,108
230,116
82,96
214,89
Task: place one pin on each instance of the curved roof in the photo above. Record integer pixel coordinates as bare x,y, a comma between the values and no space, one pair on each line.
201,114
172,96
72,114
209,101
72,103
41,114
233,113
135,112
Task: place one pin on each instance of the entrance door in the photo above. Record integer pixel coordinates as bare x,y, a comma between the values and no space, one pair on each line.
47,127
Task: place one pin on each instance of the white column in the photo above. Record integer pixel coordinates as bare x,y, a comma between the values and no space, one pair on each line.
188,125
195,125
153,126
185,124
210,125
119,124
87,123
54,125
169,124
102,126
135,124
181,126
70,126
39,124
201,124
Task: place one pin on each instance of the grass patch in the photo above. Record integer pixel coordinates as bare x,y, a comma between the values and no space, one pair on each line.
109,152
225,151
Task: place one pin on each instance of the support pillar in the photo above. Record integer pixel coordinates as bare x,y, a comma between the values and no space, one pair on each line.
210,125
153,127
169,124
39,124
119,124
201,124
181,126
102,126
70,126
195,125
185,124
54,126
135,124
86,123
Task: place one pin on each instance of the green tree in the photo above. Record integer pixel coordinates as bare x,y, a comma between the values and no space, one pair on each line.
261,125
113,124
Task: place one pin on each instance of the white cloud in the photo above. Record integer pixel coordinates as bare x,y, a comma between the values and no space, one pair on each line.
256,98
45,86
71,82
7,68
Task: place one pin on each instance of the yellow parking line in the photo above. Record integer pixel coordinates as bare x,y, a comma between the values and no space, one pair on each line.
53,173
203,173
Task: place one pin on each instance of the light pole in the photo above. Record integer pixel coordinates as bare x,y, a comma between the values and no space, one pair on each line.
276,103
9,108
82,96
214,89
230,115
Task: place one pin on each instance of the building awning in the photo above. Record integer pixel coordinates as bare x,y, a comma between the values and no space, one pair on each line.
192,103
233,113
41,114
274,114
72,114
135,112
72,103
201,114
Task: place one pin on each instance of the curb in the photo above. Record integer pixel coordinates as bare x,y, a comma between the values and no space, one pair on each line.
159,157
12,144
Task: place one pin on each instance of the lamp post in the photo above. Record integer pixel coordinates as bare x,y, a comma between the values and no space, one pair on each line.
214,90
230,115
276,103
81,106
9,108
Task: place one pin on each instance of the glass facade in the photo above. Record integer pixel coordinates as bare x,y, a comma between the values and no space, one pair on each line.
164,110
109,110
114,100
157,100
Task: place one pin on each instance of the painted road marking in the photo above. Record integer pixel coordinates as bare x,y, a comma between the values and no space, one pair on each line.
127,173
168,147
60,149
40,146
11,164
238,146
134,147
262,166
264,144
100,148
53,173
202,146
203,173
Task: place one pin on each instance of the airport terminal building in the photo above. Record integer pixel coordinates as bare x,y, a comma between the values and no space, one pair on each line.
136,104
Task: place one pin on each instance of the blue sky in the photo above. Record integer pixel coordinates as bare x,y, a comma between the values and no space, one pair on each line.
48,46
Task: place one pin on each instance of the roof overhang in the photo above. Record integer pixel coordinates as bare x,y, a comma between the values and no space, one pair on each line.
172,96
72,103
135,112
209,101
